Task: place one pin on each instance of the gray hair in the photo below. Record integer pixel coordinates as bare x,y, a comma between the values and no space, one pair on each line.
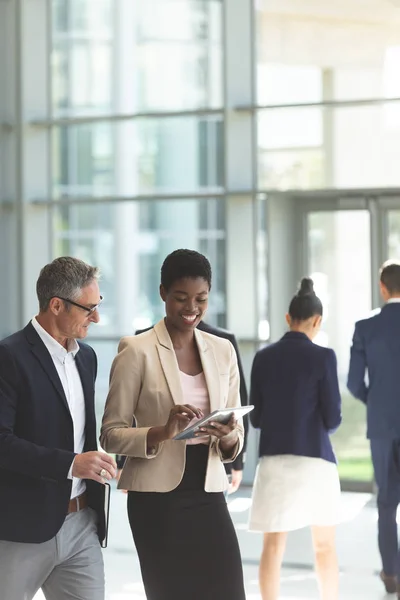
65,277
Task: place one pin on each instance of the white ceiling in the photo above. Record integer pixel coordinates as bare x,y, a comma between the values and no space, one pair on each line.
362,11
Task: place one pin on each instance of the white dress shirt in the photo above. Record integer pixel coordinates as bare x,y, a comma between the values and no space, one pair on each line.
393,300
64,362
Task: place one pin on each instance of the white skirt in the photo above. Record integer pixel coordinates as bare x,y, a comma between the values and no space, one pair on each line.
291,492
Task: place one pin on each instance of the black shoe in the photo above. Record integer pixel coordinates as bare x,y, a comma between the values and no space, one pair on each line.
390,583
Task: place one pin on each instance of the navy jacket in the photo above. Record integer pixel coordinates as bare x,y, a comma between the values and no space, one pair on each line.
295,391
223,333
374,373
37,439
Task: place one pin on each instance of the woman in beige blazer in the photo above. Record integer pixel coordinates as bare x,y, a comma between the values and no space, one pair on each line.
162,379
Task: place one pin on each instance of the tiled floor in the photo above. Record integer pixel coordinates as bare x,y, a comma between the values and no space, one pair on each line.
358,556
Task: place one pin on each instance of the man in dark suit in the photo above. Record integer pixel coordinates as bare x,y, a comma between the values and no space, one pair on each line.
234,470
51,491
374,378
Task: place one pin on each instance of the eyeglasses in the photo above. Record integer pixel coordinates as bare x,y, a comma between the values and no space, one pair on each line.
90,310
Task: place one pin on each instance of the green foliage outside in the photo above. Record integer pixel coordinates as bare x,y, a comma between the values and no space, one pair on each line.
350,443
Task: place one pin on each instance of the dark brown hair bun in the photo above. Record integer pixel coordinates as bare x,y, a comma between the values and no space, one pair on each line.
306,287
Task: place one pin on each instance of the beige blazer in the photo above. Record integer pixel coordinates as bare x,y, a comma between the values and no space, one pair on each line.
145,385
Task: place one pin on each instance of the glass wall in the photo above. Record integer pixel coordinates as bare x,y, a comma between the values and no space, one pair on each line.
129,241
118,77
339,261
393,218
135,127
9,225
114,56
328,117
346,57
142,156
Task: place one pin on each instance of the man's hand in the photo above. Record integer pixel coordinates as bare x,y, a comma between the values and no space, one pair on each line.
236,480
94,465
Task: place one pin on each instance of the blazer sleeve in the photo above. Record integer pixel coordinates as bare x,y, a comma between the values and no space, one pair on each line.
255,394
329,394
238,463
232,402
17,454
117,434
358,367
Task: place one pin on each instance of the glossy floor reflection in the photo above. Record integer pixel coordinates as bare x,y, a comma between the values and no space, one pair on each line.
358,556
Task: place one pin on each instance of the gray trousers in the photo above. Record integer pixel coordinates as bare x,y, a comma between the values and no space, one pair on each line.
67,567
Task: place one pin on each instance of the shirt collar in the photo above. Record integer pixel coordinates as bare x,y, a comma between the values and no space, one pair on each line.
55,349
393,300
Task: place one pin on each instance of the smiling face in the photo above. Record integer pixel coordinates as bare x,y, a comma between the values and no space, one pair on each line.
186,302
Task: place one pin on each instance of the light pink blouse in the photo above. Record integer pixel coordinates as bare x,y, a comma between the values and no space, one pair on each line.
195,391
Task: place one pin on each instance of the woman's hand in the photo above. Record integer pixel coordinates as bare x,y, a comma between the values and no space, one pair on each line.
227,433
179,418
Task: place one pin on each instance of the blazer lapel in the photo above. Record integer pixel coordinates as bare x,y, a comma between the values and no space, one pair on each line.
87,383
210,368
86,377
168,362
171,369
43,356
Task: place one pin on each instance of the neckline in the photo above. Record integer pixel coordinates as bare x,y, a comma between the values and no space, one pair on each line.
191,376
297,334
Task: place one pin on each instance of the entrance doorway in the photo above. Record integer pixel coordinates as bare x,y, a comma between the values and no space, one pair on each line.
340,240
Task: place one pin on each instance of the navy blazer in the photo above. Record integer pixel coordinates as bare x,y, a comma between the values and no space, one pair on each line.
295,392
37,439
374,373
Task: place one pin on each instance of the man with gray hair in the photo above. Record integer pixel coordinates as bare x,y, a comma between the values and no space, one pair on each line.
52,476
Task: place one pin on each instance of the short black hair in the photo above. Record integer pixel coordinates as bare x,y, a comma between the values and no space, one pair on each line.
390,276
305,304
182,264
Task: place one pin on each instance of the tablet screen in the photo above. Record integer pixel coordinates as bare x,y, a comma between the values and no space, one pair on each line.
221,415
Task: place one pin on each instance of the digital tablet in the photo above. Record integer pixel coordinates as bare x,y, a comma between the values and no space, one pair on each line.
107,493
222,415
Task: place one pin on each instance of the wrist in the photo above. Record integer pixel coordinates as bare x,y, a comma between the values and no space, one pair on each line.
156,435
71,469
229,441
166,434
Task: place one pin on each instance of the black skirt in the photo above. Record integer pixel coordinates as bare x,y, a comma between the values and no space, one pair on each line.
185,539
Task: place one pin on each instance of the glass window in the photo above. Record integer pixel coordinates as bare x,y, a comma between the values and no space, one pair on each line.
284,84
117,57
262,261
60,16
352,49
324,51
394,234
179,54
311,148
82,16
82,77
138,157
129,248
82,57
10,297
106,352
345,292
